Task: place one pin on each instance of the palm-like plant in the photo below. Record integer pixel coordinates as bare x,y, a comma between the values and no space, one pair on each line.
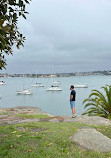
98,104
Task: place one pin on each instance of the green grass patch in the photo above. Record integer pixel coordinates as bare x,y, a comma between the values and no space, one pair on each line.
105,130
45,140
4,113
33,116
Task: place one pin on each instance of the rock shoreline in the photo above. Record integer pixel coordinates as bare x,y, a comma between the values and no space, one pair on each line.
8,116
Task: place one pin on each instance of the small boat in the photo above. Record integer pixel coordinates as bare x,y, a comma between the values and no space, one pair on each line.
80,86
25,92
2,83
57,82
37,85
54,88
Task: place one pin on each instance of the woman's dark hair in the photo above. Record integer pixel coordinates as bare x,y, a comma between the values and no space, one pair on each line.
72,86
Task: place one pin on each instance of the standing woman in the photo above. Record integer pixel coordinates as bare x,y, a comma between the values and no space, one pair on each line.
72,100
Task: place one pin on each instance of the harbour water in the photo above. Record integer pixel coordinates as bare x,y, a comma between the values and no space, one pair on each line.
55,103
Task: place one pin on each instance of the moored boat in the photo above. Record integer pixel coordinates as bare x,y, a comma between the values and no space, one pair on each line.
25,92
81,85
52,88
37,85
2,83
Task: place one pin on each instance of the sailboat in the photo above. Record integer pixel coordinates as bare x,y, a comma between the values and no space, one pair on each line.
55,86
37,85
2,83
25,91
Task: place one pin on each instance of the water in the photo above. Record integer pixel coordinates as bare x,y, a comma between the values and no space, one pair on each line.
55,103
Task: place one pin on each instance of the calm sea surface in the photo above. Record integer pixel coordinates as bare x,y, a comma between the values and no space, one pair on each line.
55,103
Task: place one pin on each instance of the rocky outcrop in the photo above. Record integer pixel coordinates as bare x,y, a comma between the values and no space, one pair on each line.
8,116
90,120
23,110
91,139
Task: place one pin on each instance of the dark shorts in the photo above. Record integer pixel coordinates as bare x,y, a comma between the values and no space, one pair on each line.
72,104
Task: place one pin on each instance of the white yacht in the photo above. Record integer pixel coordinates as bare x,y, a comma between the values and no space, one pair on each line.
2,83
54,87
80,86
25,92
57,82
37,85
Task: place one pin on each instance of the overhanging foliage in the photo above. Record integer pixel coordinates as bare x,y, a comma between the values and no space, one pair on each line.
10,10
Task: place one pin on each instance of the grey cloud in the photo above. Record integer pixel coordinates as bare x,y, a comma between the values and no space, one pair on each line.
74,34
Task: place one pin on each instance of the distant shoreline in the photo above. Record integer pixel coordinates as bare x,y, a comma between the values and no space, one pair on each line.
32,75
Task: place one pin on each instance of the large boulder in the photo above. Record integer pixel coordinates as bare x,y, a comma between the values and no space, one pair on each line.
91,139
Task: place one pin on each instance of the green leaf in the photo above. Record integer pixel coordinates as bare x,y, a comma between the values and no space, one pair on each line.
1,22
11,10
20,3
27,1
20,13
11,2
24,16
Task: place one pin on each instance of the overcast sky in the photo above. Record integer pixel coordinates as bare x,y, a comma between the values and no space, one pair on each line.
68,35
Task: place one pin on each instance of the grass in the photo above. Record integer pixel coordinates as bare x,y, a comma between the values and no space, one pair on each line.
33,116
50,140
4,113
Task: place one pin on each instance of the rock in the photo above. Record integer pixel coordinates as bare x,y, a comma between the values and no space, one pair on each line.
54,120
24,110
91,120
91,139
37,129
21,129
29,108
2,116
18,121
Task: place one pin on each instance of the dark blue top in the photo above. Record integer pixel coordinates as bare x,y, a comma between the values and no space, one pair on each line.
73,92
